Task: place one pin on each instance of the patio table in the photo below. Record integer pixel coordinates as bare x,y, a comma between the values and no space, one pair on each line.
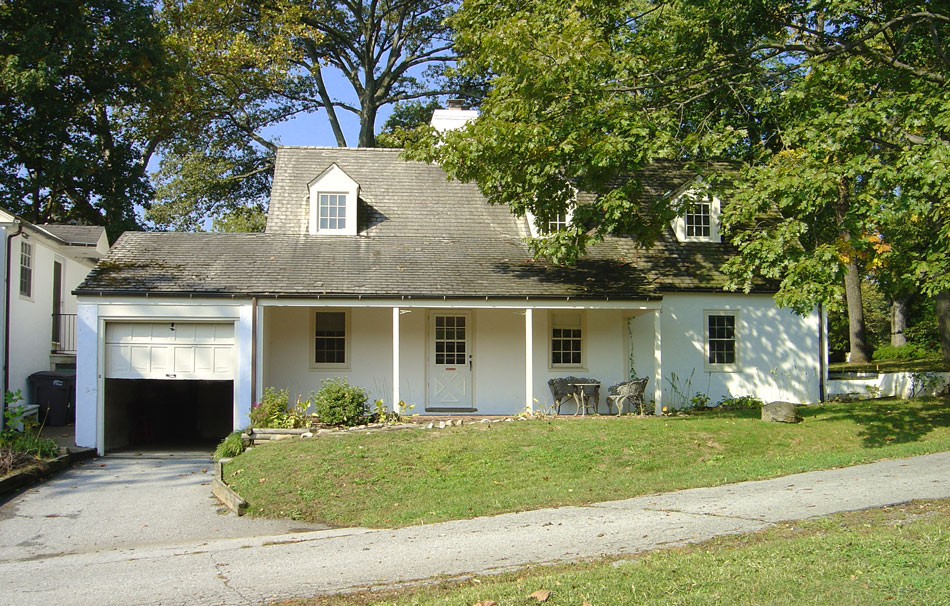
584,392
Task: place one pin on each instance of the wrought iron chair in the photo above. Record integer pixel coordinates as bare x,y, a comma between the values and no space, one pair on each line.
628,391
561,388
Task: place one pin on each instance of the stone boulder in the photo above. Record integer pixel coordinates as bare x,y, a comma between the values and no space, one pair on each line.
781,412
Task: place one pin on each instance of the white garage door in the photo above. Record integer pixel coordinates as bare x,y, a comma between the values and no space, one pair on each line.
169,350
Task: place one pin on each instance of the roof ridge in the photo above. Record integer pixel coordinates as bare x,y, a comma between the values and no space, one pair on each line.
344,149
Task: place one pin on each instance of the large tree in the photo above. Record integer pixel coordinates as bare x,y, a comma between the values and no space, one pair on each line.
78,82
839,109
257,63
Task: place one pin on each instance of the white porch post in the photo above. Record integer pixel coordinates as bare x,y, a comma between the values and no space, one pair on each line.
259,360
529,359
657,363
396,359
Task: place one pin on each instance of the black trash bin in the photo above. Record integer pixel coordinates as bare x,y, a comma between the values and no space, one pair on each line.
55,392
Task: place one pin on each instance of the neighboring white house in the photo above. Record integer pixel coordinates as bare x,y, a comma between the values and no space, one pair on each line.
41,265
384,272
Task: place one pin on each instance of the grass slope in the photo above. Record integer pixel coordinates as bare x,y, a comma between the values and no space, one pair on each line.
894,555
415,476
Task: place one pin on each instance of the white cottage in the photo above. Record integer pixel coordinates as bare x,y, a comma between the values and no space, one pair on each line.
382,271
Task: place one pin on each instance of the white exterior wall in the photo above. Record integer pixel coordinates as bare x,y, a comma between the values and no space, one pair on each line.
31,322
886,385
777,350
94,312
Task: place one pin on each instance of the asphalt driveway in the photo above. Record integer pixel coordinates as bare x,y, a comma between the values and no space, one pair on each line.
123,501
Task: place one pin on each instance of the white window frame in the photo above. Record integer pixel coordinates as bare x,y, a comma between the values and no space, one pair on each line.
27,265
347,338
696,213
554,323
736,340
685,202
333,181
340,228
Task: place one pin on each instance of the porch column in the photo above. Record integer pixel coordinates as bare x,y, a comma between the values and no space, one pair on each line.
657,363
529,359
395,359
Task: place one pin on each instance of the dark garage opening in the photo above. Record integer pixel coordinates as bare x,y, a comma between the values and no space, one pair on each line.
149,413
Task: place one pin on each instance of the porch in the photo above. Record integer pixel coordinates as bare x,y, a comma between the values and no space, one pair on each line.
485,358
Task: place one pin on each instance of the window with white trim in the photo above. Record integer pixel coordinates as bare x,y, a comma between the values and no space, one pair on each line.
330,342
560,221
26,269
698,220
722,352
567,339
332,211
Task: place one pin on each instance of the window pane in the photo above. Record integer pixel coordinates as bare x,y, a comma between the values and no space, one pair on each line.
330,337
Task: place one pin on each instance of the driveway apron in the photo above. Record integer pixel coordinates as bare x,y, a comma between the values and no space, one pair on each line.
122,501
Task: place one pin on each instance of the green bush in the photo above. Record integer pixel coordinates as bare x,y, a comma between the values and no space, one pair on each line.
230,446
28,438
271,412
740,403
339,403
909,351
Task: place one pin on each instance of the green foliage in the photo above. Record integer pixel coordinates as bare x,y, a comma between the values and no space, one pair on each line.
81,85
241,220
23,433
740,403
272,411
909,351
229,447
339,403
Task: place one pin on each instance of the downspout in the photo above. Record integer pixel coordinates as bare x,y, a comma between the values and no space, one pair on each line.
253,350
6,322
822,362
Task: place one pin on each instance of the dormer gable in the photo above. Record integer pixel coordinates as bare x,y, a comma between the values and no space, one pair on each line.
333,196
698,218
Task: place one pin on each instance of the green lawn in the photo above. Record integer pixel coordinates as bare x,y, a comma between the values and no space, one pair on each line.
894,555
418,476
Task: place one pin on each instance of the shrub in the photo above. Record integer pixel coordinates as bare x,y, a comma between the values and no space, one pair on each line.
339,403
230,446
22,434
271,412
740,403
909,351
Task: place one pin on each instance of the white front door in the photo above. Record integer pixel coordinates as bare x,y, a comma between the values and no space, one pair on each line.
449,366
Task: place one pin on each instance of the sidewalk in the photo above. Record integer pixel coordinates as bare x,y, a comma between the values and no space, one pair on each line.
252,570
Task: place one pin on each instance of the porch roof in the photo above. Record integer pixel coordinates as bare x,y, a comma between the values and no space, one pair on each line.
201,264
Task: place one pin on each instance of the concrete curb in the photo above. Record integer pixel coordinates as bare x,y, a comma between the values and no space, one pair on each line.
225,493
41,471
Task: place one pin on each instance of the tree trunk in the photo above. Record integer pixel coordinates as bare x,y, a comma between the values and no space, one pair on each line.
943,322
856,330
852,282
368,125
898,322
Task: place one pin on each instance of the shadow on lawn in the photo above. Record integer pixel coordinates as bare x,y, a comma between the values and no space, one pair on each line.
890,421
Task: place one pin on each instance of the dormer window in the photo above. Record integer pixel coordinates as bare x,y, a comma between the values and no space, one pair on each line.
333,197
557,224
699,218
332,212
539,228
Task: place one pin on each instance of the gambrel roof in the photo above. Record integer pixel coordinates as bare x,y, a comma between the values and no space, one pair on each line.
420,235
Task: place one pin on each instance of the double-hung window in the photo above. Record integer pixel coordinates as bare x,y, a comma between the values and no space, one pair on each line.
26,269
567,339
698,220
330,342
332,212
722,352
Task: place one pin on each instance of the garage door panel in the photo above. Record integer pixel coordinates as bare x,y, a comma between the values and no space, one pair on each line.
159,350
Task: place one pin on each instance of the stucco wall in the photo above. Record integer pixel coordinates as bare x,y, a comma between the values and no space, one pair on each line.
778,350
